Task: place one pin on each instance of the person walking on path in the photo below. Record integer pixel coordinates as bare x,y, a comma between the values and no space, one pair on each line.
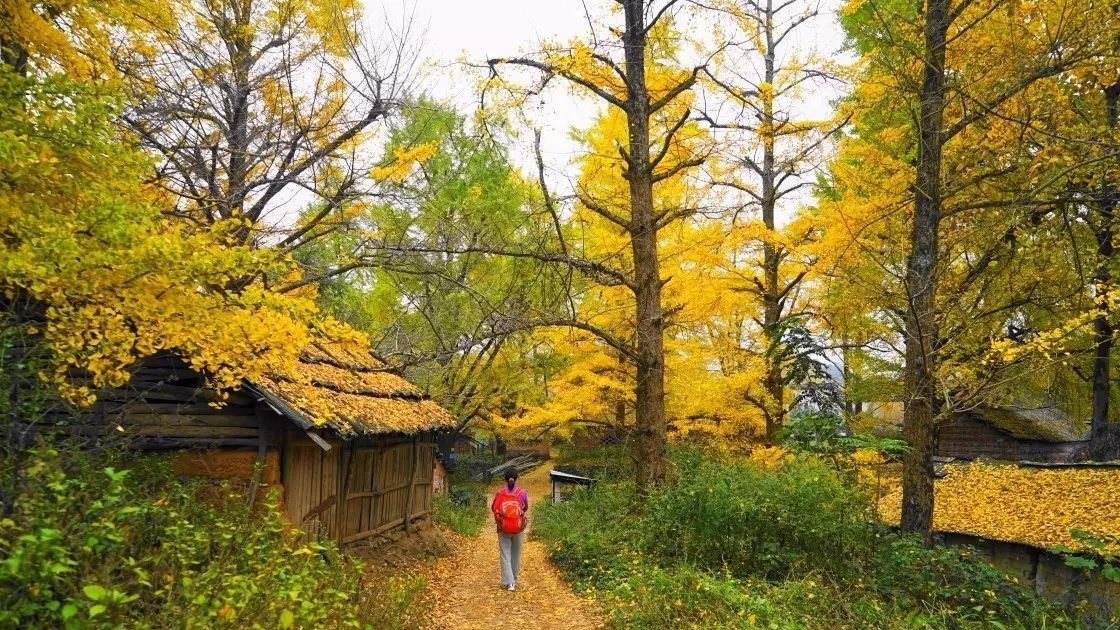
510,506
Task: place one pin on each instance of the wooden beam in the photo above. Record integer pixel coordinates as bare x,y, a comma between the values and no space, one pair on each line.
323,444
323,506
175,409
384,528
345,464
169,431
171,420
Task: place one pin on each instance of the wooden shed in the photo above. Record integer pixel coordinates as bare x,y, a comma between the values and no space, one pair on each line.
353,443
1040,434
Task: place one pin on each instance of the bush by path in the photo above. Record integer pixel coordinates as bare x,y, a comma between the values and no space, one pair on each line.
97,543
737,545
463,509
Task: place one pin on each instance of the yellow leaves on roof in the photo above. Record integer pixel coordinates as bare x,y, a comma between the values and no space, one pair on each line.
355,382
349,354
1029,505
359,413
339,383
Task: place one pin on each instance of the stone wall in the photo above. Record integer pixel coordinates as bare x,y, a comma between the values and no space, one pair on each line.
1046,574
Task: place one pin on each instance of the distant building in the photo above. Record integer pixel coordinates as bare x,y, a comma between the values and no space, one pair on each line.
1037,434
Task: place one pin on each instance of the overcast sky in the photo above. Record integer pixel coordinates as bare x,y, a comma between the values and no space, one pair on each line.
473,30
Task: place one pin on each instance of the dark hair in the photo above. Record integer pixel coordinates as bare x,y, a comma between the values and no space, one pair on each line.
510,472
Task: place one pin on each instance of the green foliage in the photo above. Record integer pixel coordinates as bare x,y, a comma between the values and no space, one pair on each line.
735,546
89,544
607,462
758,522
1105,554
462,510
824,433
439,304
587,539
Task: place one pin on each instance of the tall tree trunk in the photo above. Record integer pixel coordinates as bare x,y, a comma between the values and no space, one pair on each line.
919,394
650,391
771,257
1101,445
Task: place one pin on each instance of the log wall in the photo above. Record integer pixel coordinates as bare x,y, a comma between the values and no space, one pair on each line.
969,438
165,406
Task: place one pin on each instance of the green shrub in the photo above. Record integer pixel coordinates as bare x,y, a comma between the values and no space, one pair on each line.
684,559
590,536
952,582
613,462
759,522
462,510
88,545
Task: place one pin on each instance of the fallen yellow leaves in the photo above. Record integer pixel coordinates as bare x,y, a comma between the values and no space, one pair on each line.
1029,505
465,593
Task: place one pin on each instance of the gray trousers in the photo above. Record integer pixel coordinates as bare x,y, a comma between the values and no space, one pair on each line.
509,551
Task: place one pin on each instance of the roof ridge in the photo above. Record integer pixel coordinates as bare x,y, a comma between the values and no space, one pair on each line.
403,395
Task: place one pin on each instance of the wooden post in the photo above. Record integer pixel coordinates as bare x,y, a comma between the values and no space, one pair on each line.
411,484
262,451
346,470
340,468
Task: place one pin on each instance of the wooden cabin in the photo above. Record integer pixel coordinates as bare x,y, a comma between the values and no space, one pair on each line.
351,444
1037,434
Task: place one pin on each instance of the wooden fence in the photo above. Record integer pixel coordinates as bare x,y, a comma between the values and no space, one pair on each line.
384,484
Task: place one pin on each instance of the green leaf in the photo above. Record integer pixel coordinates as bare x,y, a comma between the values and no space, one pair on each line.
1080,562
287,619
68,611
94,592
1111,573
96,610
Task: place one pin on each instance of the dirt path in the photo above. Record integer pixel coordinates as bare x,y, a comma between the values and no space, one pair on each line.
466,593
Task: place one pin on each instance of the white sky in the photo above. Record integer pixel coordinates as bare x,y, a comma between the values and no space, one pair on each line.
454,31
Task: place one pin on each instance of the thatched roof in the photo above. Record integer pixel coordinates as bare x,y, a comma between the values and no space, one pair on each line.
342,386
1042,424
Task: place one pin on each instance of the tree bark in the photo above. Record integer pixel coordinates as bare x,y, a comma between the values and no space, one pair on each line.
919,393
1100,441
650,425
771,257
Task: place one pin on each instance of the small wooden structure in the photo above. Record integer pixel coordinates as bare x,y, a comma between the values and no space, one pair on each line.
1041,434
563,484
355,443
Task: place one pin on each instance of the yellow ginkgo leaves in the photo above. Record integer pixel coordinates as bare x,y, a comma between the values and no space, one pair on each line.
1029,505
404,161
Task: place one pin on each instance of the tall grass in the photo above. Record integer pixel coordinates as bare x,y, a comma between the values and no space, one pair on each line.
463,510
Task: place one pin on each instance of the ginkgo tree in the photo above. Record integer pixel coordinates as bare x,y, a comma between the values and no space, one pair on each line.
620,70
946,136
90,267
756,93
255,107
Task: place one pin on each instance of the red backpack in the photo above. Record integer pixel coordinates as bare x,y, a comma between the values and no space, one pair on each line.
511,519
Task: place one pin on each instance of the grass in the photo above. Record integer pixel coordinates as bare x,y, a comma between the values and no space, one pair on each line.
462,510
